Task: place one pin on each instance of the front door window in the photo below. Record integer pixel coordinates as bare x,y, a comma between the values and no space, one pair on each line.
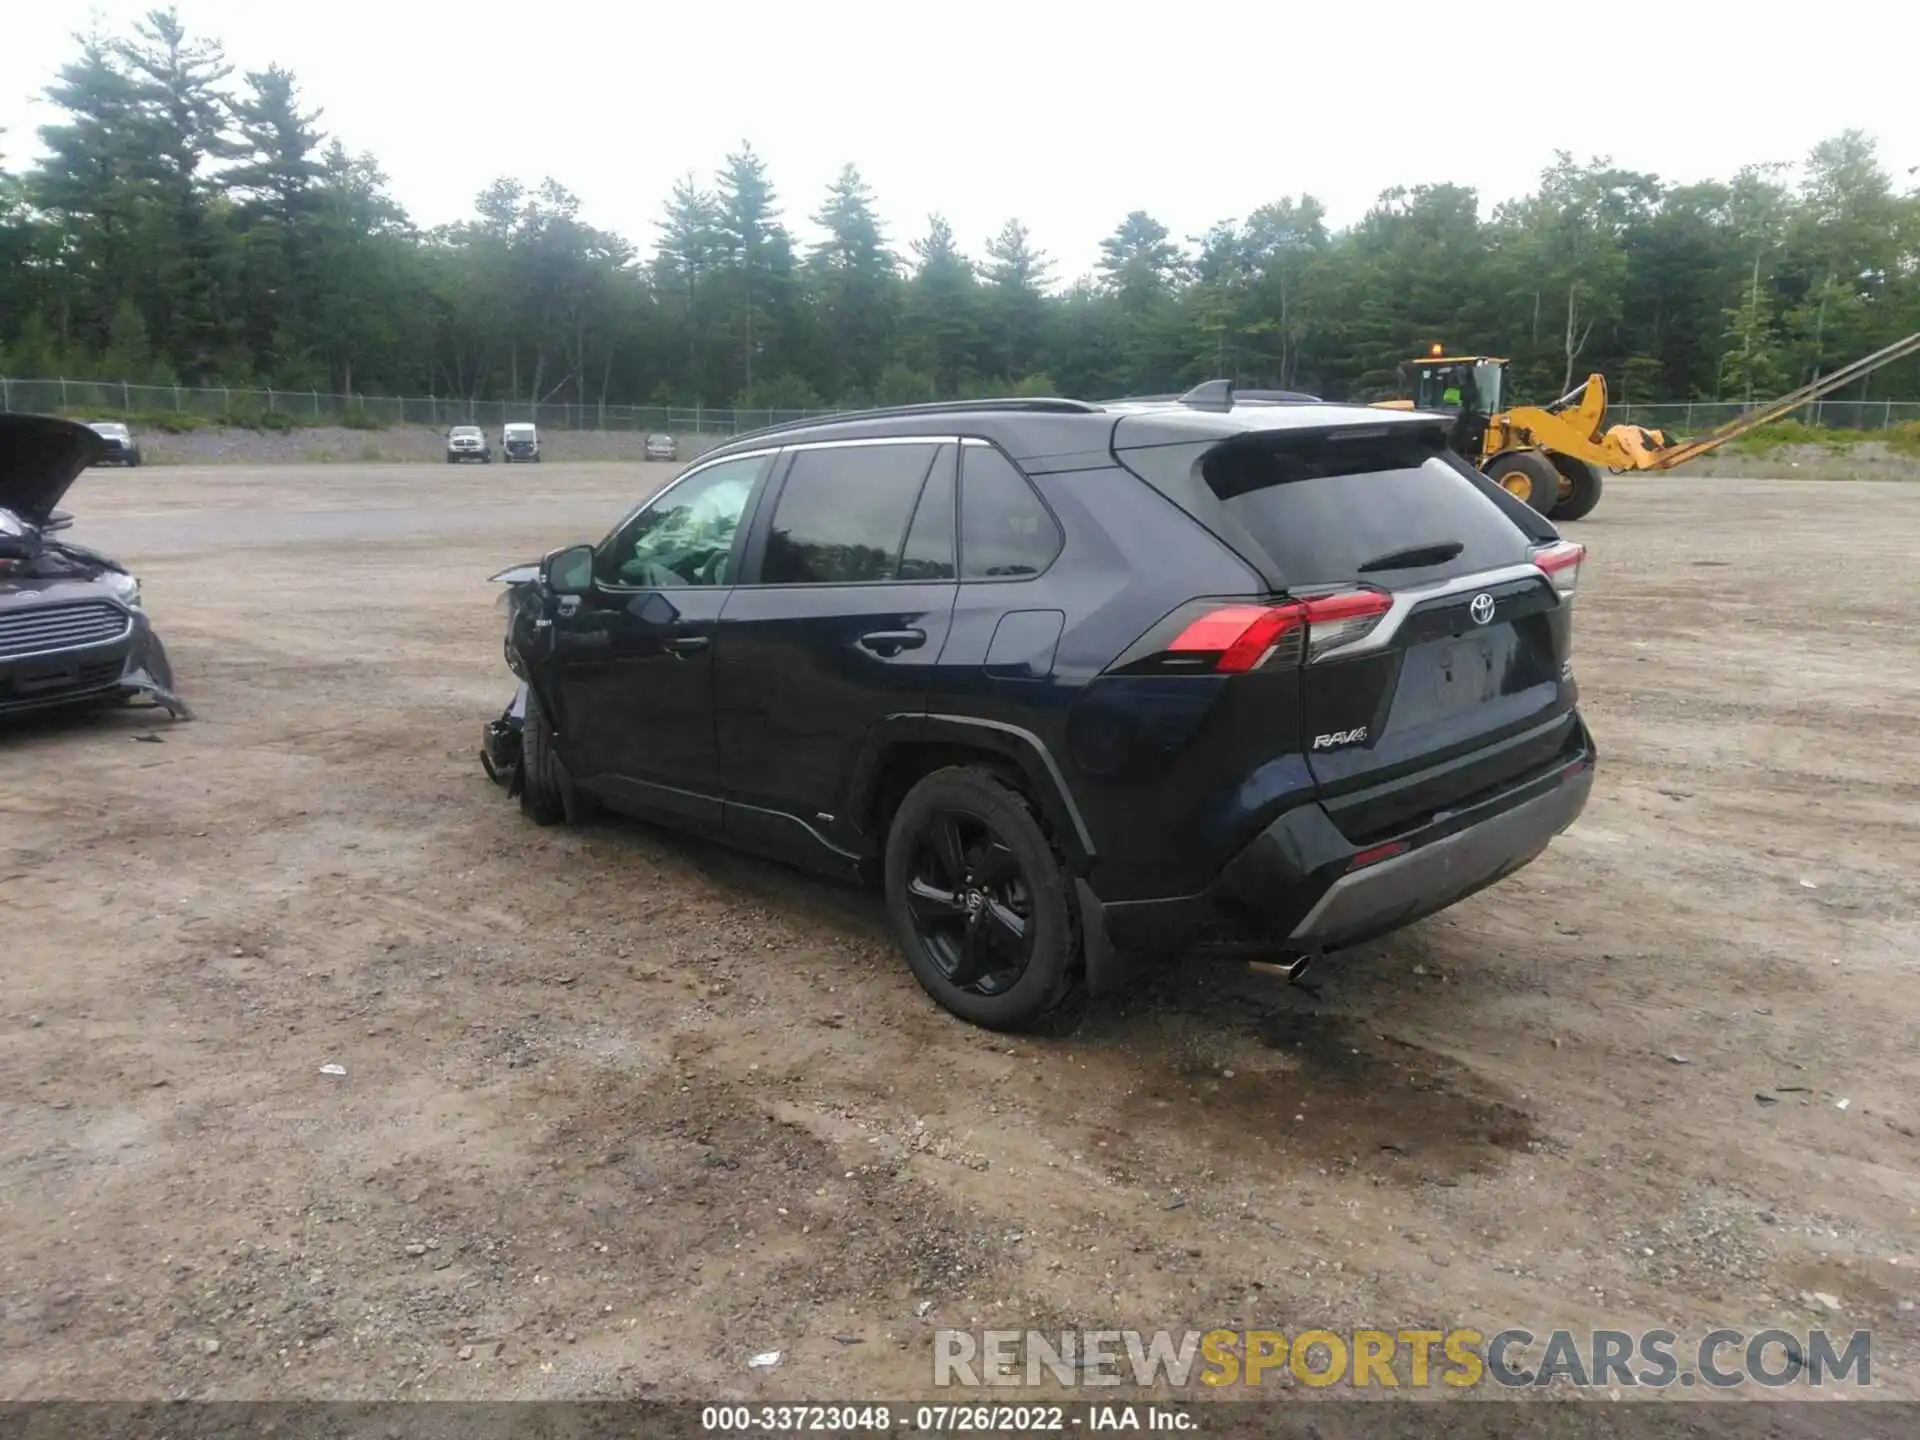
685,537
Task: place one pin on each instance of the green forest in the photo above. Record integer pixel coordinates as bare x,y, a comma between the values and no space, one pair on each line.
190,225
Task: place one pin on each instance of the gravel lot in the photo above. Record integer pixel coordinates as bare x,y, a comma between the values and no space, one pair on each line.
620,1110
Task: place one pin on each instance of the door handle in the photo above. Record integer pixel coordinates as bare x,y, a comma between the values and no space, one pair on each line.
892,642
684,645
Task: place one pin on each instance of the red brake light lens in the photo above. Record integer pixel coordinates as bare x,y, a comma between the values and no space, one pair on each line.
1561,563
1245,637
1240,634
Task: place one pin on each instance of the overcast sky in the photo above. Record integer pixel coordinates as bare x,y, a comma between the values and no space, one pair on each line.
1065,113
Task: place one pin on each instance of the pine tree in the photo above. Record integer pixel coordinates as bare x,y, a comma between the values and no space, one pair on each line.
1016,275
280,146
176,83
942,324
759,256
855,277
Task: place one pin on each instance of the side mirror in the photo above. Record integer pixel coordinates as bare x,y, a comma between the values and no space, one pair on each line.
570,571
58,520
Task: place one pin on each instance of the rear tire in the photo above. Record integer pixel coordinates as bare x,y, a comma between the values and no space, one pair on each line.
982,906
542,799
1527,475
1583,482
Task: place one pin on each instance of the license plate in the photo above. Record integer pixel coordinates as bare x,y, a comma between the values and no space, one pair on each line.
1457,676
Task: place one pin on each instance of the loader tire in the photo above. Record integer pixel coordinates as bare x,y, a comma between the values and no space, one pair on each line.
1583,487
1527,475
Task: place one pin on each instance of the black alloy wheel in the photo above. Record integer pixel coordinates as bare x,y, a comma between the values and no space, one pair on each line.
971,905
982,904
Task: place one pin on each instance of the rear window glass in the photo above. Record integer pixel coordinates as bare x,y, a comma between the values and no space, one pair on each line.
1005,532
1327,509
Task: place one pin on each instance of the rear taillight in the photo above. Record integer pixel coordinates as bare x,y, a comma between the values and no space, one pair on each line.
1336,621
1238,638
1561,563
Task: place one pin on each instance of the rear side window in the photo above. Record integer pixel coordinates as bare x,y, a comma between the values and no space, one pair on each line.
1390,508
1005,532
842,515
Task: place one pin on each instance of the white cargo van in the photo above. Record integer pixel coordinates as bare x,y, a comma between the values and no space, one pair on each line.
519,442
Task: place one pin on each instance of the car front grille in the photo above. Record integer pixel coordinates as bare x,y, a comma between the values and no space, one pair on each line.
49,629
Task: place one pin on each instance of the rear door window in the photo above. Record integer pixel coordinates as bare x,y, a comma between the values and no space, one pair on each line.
1329,508
843,513
929,552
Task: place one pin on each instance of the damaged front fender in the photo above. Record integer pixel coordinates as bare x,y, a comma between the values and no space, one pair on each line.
149,672
500,744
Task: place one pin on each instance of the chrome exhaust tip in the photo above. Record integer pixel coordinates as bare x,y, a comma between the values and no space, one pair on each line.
1289,970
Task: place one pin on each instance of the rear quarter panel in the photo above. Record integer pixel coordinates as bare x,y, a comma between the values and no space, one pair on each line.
1141,758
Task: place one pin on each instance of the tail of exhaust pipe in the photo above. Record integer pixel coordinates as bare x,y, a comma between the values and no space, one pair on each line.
1288,970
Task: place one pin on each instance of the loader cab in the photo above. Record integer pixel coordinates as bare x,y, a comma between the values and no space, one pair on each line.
1453,383
1471,388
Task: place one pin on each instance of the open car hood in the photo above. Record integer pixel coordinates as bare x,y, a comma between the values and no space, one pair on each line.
40,457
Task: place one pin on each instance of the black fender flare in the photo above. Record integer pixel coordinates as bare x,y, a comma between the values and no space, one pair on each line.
1024,748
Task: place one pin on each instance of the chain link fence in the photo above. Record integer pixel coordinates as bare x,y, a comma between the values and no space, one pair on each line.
1700,416
110,400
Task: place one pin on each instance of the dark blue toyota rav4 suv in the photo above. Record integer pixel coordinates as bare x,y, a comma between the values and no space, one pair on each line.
1072,681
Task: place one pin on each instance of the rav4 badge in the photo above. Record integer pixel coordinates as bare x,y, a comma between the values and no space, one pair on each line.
1340,737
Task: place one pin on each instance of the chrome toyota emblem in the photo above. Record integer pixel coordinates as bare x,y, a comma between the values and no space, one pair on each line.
1481,609
976,902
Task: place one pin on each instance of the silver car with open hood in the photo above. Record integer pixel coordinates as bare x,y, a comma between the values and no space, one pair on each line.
73,629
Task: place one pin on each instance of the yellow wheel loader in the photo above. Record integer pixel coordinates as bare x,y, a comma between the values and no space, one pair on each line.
1551,456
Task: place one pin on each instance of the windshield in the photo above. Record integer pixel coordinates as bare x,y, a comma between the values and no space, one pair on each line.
1487,382
466,432
107,427
1442,387
1459,385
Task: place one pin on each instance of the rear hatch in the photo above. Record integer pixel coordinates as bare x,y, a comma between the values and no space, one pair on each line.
1430,629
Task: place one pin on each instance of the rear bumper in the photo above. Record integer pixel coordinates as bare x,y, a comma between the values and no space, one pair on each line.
1301,887
1402,888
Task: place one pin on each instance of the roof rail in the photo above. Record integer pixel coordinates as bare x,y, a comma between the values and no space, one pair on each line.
1267,397
1278,397
1020,405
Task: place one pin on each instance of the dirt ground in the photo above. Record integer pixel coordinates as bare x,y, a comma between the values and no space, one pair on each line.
620,1110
